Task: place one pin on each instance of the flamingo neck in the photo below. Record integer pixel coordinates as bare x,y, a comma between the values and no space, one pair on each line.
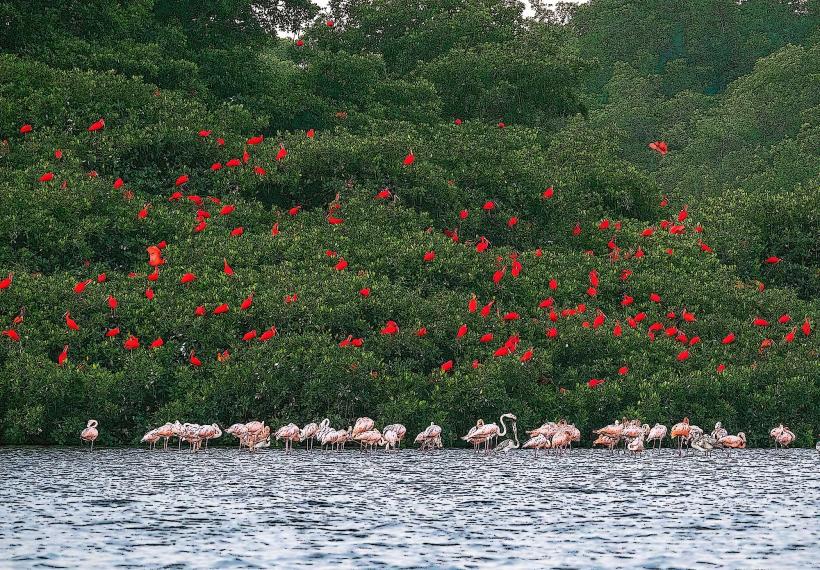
504,431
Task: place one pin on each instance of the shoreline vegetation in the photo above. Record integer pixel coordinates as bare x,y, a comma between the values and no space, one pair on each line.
418,212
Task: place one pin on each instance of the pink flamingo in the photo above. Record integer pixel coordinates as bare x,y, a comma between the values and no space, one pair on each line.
560,441
636,445
90,432
488,432
369,438
209,432
398,429
680,431
429,438
289,433
151,438
471,434
166,431
310,431
786,438
607,441
656,434
390,439
733,441
537,442
239,431
362,425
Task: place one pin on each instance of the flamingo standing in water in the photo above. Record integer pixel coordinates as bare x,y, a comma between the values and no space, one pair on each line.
151,437
786,438
208,433
309,432
486,433
369,439
537,442
362,425
509,444
680,431
470,434
560,441
609,436
430,437
165,431
289,433
607,441
390,439
636,445
656,434
398,429
239,431
90,433
733,442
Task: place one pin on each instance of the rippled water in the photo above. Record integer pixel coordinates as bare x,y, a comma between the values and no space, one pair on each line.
451,508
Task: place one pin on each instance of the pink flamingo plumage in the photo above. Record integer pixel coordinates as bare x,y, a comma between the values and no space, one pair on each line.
90,432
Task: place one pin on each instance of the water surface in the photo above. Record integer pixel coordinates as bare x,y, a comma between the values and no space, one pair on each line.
451,508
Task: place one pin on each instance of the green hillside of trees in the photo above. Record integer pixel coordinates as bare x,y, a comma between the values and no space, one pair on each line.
388,163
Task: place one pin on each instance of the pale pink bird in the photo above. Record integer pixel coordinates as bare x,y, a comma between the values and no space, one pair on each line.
429,437
607,441
309,432
636,445
680,431
362,425
547,429
151,438
290,434
90,432
786,438
470,437
208,433
656,434
537,442
398,429
369,439
560,441
239,431
486,433
390,439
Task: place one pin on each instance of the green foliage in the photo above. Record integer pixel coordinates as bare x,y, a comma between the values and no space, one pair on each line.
738,108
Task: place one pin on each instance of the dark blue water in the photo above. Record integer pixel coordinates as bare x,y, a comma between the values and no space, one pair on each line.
453,508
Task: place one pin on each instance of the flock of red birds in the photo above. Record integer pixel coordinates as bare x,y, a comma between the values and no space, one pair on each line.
676,226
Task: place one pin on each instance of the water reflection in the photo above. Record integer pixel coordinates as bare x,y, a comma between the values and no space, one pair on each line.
223,508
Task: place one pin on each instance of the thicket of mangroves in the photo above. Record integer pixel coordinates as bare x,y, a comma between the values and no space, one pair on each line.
415,211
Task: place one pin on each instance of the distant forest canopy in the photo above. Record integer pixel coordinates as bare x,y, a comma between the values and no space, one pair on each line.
389,163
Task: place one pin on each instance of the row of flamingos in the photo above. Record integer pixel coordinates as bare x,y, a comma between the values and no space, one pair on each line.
558,436
686,436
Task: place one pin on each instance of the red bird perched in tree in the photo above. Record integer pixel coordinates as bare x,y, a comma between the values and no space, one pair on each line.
552,333
227,269
409,159
593,278
773,259
599,320
688,317
334,221
654,297
806,327
390,328
576,231
382,194
247,302
499,275
200,227
112,302
463,214
486,337
627,300
790,335
131,343
485,310
157,342
527,356
447,366
623,370
233,163
429,256
255,140
274,231
512,222
728,339
482,245
237,231
660,147
61,358
181,179
760,322
259,170
472,304
175,196
515,268
6,282
80,287
216,166
617,330
47,177
511,316
221,309
250,335
311,133
227,209
548,193
604,224
593,382
364,291
503,351
154,256
488,206
282,153
204,133
110,333
97,125
683,355
71,323
199,311
341,265
187,278
422,331
12,334
194,360
462,330
784,318
118,183
25,129
546,303
268,334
